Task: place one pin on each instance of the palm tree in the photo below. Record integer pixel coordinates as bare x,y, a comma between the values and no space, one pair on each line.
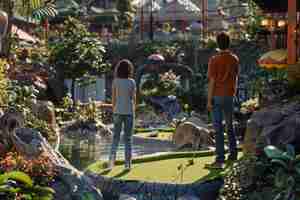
126,12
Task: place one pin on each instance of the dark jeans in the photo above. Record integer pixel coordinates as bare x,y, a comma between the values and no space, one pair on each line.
223,105
128,122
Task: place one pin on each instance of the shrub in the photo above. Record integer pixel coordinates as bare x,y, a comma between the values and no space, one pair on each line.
40,169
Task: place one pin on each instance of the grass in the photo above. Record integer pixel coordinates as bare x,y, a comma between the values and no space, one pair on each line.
161,169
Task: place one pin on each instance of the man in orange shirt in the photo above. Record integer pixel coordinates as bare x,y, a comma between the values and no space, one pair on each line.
223,70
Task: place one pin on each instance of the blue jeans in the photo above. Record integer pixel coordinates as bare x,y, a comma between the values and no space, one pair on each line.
128,122
223,105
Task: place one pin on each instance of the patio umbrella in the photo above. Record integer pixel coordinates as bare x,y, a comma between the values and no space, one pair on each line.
155,59
274,59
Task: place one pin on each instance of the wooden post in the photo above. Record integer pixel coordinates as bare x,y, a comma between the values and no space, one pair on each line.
142,20
291,39
204,17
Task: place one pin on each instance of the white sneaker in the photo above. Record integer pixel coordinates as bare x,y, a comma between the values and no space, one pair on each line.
127,167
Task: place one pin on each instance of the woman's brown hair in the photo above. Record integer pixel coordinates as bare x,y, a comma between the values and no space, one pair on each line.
124,69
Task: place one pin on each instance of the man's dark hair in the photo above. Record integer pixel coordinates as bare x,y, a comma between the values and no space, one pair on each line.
124,69
223,41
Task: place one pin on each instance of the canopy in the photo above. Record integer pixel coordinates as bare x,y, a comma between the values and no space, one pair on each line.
65,8
275,5
103,16
274,59
168,10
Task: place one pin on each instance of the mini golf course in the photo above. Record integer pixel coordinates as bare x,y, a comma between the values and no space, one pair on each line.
179,168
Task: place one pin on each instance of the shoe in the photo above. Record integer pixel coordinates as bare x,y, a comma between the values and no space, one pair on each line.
214,165
127,167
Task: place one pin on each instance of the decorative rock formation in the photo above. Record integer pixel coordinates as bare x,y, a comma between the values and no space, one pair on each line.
85,129
73,184
276,125
45,111
193,132
152,190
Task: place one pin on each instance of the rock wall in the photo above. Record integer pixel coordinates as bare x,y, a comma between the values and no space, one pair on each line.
276,125
70,183
149,190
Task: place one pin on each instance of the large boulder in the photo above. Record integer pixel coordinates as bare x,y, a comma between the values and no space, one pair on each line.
45,111
85,129
70,183
276,125
192,131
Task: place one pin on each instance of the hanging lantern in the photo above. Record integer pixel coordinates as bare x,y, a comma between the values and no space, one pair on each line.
281,23
265,22
3,26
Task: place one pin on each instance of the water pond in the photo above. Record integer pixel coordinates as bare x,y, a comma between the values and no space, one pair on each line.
81,153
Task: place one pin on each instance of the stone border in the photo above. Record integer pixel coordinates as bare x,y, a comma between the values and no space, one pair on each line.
207,190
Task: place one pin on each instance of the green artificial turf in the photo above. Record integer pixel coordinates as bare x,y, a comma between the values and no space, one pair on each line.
157,135
147,130
165,170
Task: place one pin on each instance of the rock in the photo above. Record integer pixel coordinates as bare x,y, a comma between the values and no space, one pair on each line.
45,111
30,143
126,197
189,133
207,190
276,125
8,122
188,197
85,129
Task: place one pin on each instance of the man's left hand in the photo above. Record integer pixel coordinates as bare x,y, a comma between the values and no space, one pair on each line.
209,106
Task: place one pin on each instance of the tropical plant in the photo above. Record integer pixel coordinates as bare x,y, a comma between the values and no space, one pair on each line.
21,98
40,169
253,24
37,9
126,13
18,185
79,54
250,106
3,83
287,171
165,85
274,175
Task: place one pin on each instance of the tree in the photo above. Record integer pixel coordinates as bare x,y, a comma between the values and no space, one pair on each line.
79,53
126,13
